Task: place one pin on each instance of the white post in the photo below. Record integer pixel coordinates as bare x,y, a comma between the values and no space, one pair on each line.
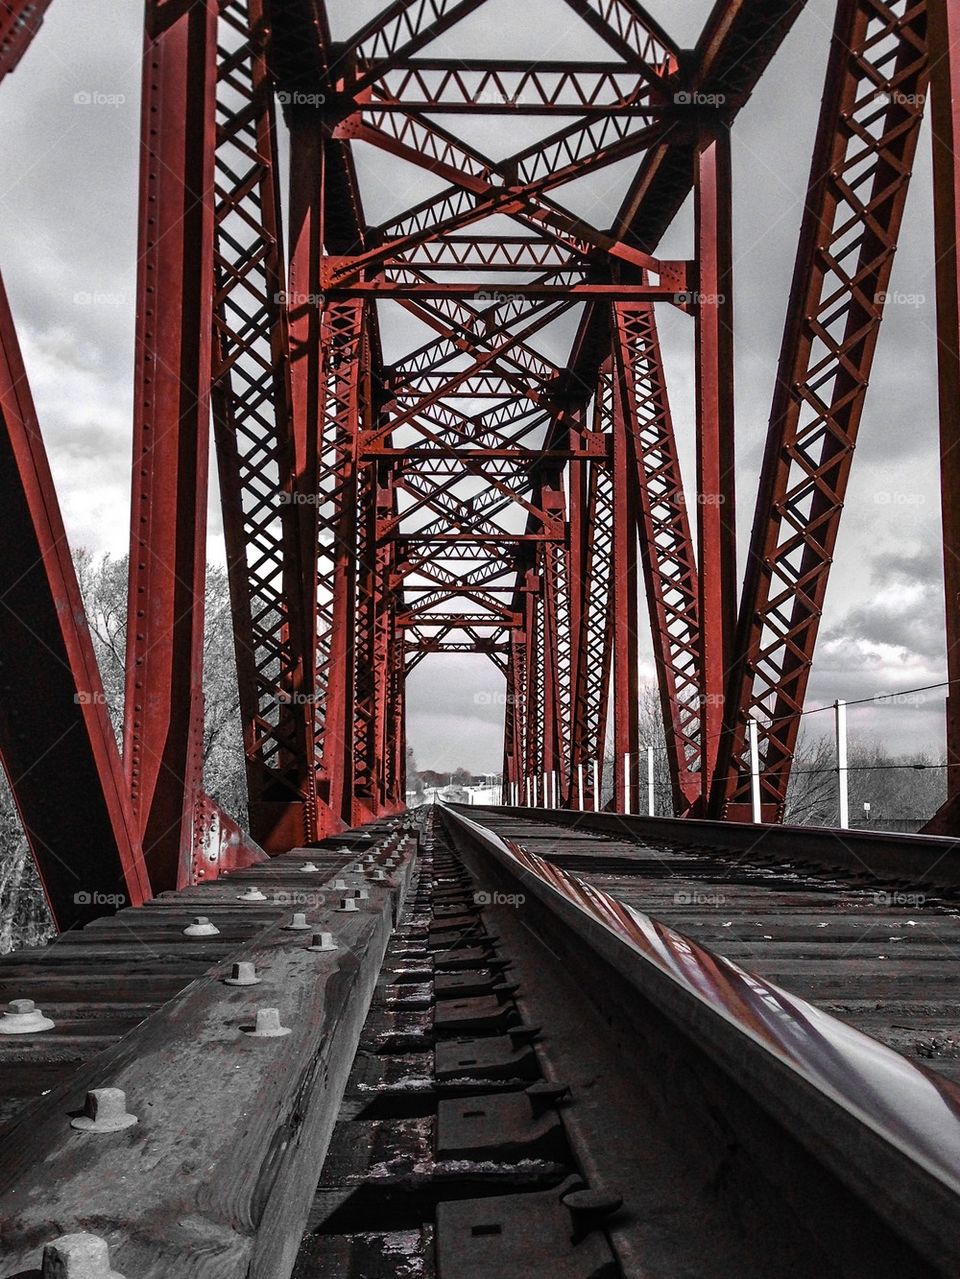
580,787
840,707
754,769
626,783
596,786
544,789
651,805
556,789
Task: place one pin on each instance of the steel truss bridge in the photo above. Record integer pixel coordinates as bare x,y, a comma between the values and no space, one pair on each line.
466,494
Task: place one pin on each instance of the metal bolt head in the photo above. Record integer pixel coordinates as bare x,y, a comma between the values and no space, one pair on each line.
105,1110
298,923
322,941
348,904
253,894
23,1017
79,1256
339,885
243,973
307,867
201,927
268,1025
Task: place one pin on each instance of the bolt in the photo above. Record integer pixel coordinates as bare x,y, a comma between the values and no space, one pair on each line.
378,875
24,1018
201,927
348,904
545,1094
243,974
252,894
339,885
298,923
307,867
268,1025
79,1256
322,941
524,1033
105,1110
590,1209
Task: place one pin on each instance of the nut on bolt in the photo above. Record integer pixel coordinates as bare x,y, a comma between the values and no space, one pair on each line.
298,924
307,867
105,1110
322,941
23,1017
590,1209
253,894
268,1025
243,973
348,904
79,1256
201,927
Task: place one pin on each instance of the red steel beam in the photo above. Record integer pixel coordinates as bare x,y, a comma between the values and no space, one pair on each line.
869,124
20,20
163,731
945,135
56,741
716,519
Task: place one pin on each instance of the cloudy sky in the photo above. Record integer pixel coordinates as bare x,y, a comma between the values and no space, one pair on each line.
68,212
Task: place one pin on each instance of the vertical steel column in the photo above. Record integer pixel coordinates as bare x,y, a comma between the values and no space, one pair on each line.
164,681
945,137
716,520
666,546
626,706
344,388
263,513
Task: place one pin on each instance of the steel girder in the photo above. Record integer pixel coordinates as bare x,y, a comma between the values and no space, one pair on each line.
163,729
869,123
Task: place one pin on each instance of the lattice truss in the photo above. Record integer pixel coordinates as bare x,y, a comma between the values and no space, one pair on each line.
434,376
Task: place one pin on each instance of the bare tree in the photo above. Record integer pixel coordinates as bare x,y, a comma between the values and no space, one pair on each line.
24,919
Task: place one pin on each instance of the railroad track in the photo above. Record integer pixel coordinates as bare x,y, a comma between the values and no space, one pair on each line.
537,1044
550,1082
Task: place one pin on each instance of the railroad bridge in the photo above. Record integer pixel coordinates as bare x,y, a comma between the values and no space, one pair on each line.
344,1039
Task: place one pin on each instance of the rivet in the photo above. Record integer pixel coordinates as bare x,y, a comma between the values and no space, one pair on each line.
307,867
322,941
201,927
79,1256
268,1025
378,875
105,1110
23,1017
252,894
339,885
243,973
348,904
298,923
